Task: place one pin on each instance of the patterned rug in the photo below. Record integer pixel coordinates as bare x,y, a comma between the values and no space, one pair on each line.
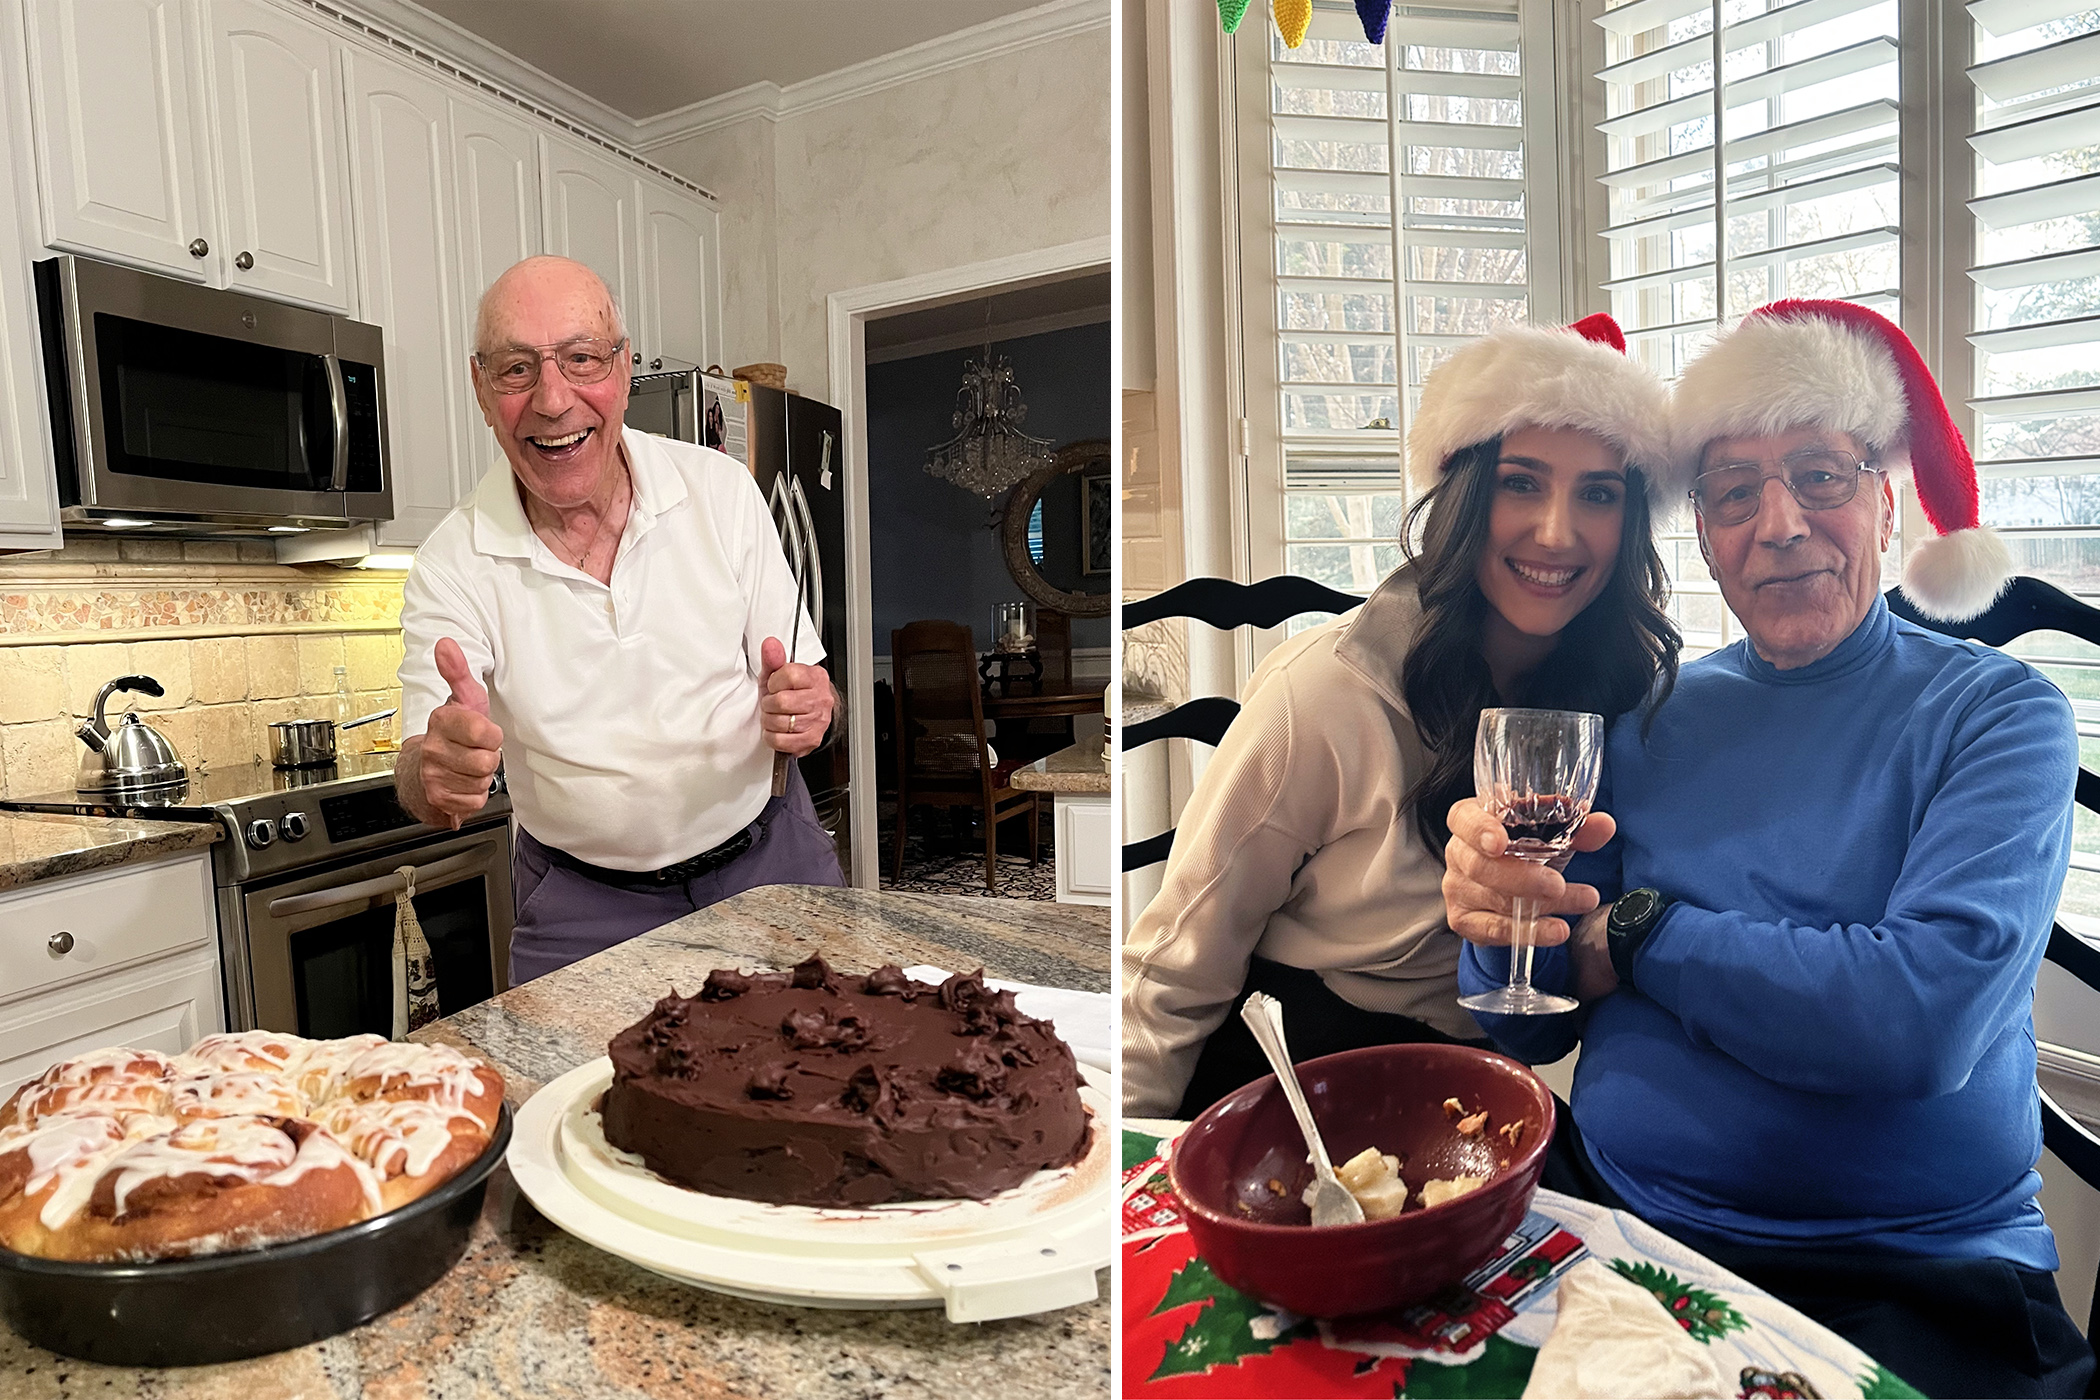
944,858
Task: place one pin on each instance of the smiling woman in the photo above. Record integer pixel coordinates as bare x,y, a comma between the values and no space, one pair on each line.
1307,863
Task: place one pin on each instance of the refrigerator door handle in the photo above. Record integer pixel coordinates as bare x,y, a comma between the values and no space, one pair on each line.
807,529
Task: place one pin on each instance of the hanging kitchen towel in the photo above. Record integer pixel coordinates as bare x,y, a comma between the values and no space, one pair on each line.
415,971
1293,18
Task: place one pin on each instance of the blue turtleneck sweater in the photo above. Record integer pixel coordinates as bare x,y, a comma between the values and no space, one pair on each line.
1829,1038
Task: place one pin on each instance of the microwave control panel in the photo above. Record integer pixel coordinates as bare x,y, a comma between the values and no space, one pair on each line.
361,398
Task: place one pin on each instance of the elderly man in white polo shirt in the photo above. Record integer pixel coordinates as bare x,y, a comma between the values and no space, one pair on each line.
606,611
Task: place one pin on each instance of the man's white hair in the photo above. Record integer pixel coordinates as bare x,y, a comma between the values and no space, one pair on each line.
482,313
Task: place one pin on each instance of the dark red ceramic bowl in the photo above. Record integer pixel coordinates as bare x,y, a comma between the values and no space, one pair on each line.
1390,1097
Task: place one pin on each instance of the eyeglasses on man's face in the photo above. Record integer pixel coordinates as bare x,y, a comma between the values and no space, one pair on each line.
515,369
1820,478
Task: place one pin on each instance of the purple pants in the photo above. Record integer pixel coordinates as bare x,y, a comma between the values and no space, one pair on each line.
564,916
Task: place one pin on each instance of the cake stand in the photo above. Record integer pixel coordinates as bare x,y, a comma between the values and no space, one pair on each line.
1031,1249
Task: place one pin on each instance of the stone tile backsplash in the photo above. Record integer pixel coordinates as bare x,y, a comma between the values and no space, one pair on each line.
237,640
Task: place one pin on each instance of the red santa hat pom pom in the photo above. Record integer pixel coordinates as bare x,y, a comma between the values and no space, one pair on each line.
1544,377
1840,367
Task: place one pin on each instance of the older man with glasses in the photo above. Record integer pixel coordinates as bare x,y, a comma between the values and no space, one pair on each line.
605,612
1806,935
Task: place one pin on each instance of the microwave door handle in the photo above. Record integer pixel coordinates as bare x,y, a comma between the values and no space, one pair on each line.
339,406
365,889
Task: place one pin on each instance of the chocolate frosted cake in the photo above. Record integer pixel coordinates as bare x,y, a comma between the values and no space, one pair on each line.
813,1088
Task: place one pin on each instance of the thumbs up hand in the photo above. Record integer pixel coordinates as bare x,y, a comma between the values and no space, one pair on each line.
795,702
462,745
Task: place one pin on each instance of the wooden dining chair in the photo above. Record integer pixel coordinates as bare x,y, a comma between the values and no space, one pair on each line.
1224,604
2029,605
943,759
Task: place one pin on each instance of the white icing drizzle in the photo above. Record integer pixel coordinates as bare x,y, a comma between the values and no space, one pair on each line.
399,1138
223,1095
70,1148
454,1077
116,1061
250,1150
325,1061
238,1050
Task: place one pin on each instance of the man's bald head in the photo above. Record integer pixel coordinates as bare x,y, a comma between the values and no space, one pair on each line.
543,286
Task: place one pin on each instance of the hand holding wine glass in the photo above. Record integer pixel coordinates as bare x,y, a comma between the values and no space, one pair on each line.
1535,770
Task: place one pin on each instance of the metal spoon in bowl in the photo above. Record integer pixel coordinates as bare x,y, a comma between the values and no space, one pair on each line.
1331,1203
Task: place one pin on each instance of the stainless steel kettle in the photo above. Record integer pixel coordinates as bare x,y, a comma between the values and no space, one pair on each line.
136,756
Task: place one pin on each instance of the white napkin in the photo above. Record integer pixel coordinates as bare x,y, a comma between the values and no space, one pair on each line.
1613,1339
1081,1017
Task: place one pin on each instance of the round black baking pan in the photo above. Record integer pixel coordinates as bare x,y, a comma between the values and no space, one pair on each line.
225,1307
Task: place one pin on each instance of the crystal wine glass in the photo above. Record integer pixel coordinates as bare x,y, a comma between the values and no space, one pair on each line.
1537,771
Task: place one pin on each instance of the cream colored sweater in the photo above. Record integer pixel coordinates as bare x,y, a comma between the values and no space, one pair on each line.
1295,847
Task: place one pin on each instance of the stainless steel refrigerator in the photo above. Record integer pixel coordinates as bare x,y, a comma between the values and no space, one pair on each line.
793,447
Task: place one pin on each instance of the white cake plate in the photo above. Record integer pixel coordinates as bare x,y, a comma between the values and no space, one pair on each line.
1027,1250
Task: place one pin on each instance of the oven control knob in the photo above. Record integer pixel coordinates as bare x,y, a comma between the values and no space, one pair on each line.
293,826
261,832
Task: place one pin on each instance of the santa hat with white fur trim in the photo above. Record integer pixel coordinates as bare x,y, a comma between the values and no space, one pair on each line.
1837,366
1540,377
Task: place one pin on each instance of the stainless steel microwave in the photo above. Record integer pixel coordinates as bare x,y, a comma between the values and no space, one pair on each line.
178,407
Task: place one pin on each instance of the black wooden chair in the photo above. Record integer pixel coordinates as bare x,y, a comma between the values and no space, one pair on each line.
2030,605
1225,605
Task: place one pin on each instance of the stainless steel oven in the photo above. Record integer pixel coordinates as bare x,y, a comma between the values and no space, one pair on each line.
308,877
174,405
319,944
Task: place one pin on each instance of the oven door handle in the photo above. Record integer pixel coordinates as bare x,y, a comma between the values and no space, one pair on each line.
378,885
339,409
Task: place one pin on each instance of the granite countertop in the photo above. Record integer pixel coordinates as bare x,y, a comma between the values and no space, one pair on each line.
532,1311
1074,769
36,846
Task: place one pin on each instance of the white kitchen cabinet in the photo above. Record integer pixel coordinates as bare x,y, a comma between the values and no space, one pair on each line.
28,487
401,159
496,163
278,117
589,214
120,159
115,957
679,320
1085,848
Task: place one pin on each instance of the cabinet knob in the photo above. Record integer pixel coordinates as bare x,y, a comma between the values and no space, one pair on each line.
244,260
657,363
637,357
199,248
60,943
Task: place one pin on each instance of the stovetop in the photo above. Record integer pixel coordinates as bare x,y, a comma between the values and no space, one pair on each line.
205,796
277,819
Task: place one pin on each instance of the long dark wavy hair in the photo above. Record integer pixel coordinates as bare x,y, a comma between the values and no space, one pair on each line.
1619,651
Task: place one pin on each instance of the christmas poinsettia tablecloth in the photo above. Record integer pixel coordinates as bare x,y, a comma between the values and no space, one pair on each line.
1185,1334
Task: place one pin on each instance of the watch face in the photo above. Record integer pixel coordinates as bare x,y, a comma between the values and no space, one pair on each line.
1634,908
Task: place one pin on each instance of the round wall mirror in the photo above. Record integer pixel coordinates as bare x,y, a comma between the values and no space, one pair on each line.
1056,531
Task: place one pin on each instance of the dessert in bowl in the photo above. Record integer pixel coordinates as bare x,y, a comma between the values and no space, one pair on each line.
1241,1172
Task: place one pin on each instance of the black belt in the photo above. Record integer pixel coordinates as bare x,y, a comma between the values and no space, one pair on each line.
706,863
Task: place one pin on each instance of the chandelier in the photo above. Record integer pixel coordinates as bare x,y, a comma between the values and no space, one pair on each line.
989,452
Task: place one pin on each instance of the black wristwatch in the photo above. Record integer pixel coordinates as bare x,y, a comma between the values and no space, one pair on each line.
1633,917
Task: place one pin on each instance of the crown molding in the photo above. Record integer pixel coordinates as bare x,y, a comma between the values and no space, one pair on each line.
1042,25
407,20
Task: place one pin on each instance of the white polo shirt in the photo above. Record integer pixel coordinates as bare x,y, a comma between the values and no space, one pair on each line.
630,712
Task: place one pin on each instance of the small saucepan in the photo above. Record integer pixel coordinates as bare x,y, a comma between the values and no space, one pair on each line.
310,743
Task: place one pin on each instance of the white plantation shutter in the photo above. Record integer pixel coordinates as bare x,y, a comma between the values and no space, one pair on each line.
1806,169
2036,334
1346,310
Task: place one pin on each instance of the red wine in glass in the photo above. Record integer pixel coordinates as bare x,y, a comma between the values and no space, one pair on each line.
1537,771
1543,825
